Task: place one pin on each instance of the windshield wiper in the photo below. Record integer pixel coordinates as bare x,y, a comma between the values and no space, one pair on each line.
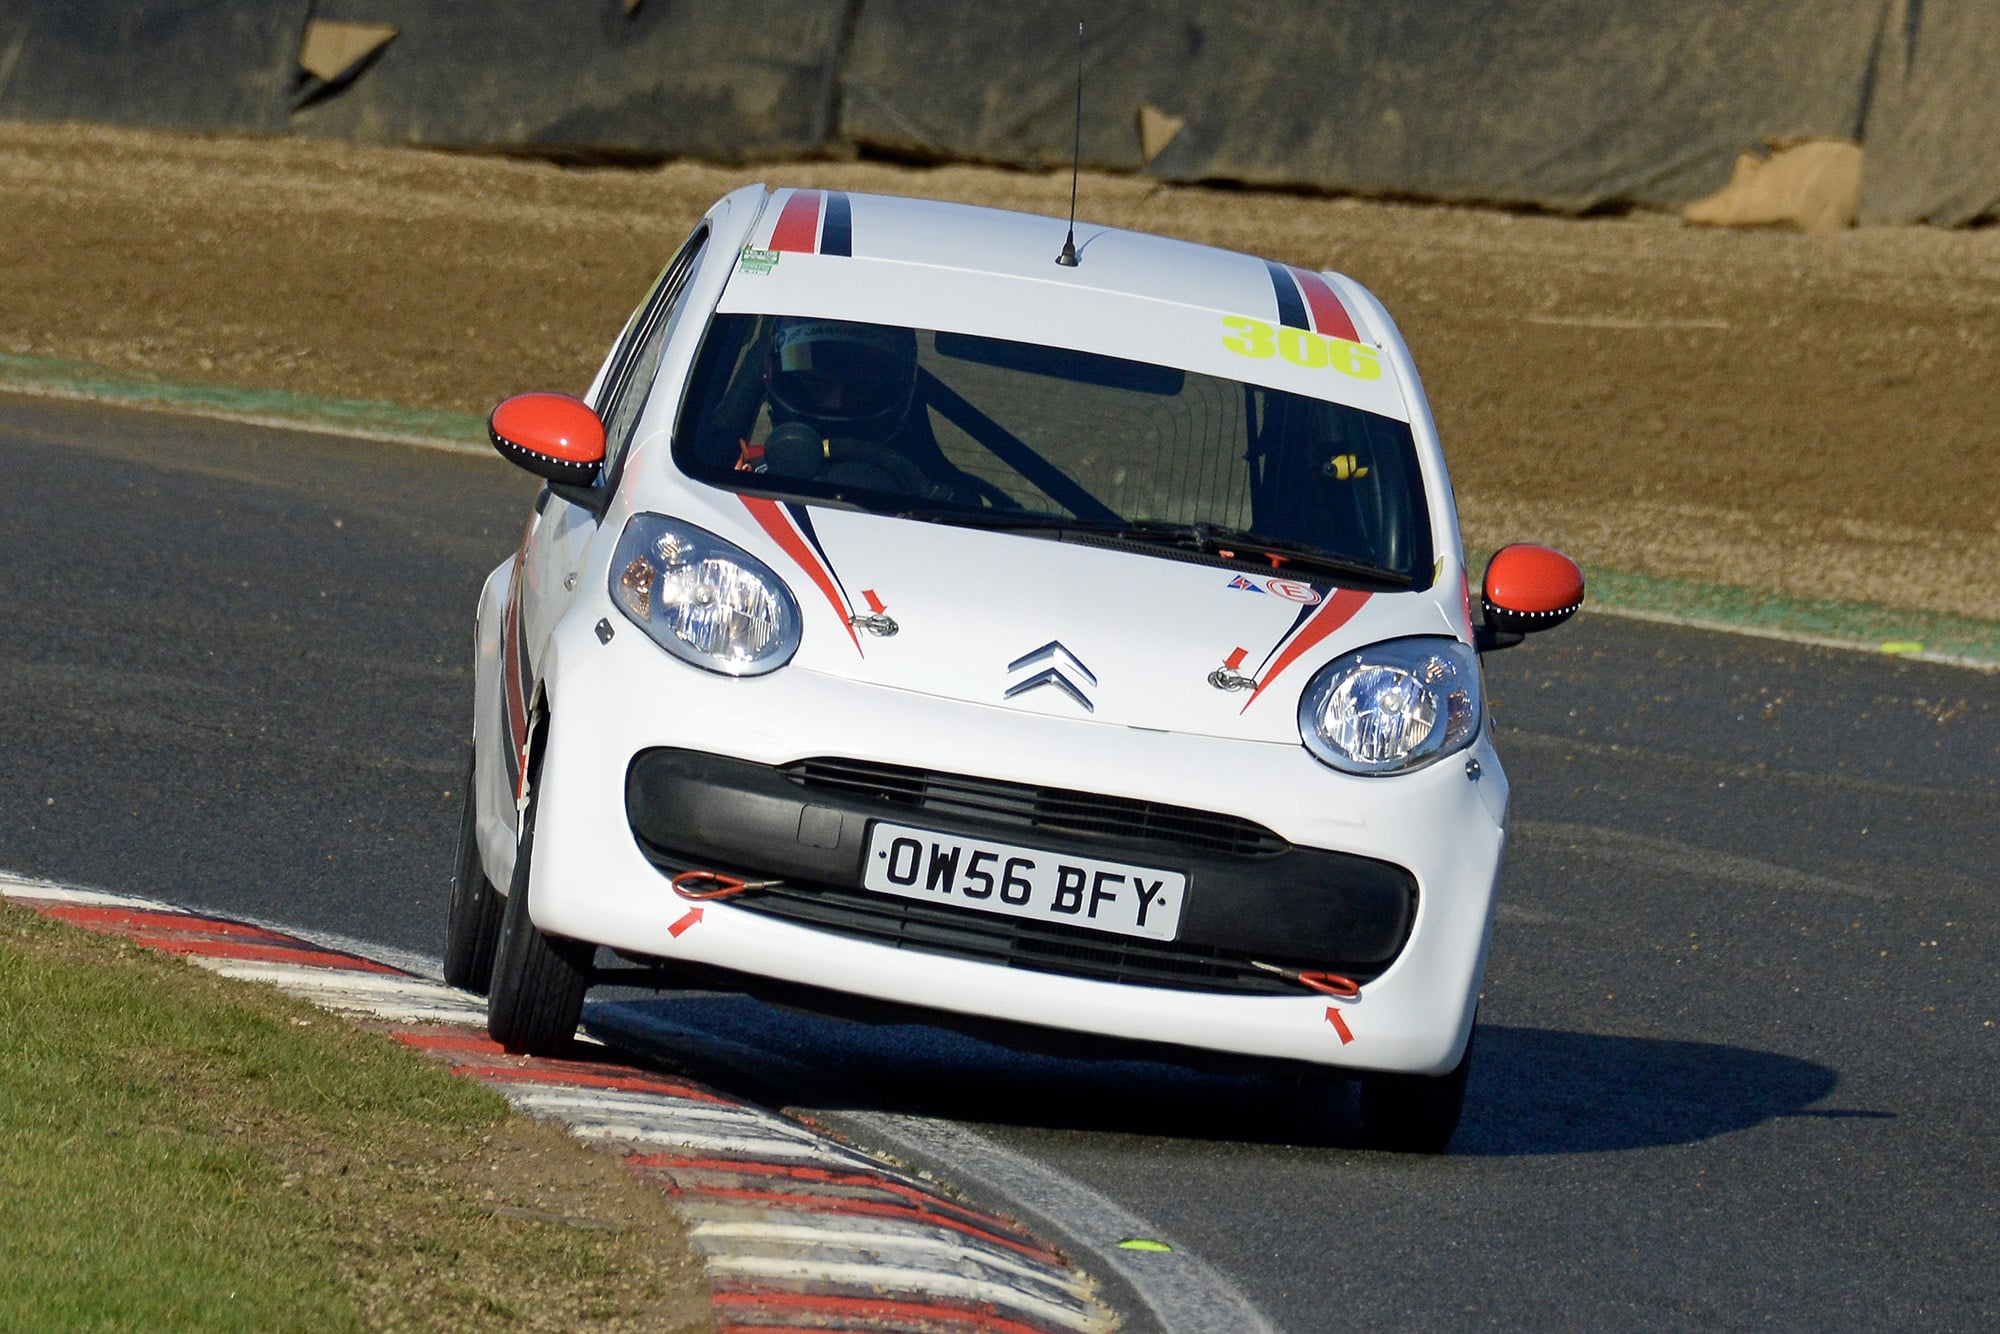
1249,548
1006,521
1198,539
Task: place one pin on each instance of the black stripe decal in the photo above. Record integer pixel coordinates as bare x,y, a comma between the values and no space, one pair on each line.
836,234
1291,306
803,518
1305,614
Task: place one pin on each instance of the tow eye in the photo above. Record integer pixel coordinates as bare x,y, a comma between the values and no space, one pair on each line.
704,886
1328,984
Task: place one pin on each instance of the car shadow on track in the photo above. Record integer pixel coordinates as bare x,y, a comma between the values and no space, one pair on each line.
1533,1091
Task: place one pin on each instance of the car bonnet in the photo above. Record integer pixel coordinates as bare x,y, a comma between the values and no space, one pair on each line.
1062,628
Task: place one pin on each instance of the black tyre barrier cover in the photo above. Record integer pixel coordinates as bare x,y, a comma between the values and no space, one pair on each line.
1933,138
1562,104
1570,105
166,64
696,78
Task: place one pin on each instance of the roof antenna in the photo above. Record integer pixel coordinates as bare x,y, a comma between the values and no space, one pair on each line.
1068,256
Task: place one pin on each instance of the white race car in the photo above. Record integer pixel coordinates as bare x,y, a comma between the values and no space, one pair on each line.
924,617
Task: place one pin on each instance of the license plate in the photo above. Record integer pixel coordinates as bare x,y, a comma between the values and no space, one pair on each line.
1024,882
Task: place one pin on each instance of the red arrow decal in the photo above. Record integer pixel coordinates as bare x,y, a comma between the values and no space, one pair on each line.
694,915
874,603
1339,1025
1235,660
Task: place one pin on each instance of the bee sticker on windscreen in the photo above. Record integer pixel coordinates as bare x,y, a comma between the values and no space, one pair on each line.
1344,468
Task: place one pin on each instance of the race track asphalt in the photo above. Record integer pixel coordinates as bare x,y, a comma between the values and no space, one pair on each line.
1737,1064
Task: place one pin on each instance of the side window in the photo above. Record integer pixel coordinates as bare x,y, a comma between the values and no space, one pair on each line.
632,380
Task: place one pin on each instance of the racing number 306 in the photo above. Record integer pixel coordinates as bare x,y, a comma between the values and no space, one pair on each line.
1301,347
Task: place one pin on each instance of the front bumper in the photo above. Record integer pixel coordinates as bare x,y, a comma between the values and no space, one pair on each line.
1251,896
1407,865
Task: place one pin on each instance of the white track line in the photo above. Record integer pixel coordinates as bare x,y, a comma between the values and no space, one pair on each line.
1180,1291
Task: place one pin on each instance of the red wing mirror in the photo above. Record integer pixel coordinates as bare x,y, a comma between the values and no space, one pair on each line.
554,436
1527,588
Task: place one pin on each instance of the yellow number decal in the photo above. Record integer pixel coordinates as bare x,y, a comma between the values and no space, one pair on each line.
1363,363
1301,347
1252,338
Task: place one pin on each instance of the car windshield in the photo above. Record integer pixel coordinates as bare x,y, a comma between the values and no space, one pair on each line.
958,428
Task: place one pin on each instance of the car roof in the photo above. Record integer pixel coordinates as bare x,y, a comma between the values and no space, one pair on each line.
974,239
940,265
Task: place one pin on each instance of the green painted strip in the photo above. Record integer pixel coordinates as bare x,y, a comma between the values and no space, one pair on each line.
1929,635
392,421
1865,626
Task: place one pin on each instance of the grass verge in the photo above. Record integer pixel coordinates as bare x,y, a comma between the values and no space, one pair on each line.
182,1152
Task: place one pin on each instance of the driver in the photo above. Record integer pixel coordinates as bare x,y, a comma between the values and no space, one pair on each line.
845,380
840,396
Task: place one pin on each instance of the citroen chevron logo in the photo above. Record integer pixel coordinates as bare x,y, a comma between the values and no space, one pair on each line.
1058,656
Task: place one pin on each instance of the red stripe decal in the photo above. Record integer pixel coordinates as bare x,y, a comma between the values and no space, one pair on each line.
1330,317
771,518
1335,612
513,671
798,223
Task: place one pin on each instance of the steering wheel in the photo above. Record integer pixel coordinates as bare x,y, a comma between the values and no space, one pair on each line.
852,460
796,450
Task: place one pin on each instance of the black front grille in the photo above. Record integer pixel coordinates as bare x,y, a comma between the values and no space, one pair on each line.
1026,806
1024,943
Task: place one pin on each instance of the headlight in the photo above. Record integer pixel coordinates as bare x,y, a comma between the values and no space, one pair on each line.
702,599
1394,707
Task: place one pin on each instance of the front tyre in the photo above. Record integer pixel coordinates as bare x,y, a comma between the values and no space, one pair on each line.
472,931
538,980
1414,1113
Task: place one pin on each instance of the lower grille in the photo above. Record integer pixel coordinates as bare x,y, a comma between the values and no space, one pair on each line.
1047,809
